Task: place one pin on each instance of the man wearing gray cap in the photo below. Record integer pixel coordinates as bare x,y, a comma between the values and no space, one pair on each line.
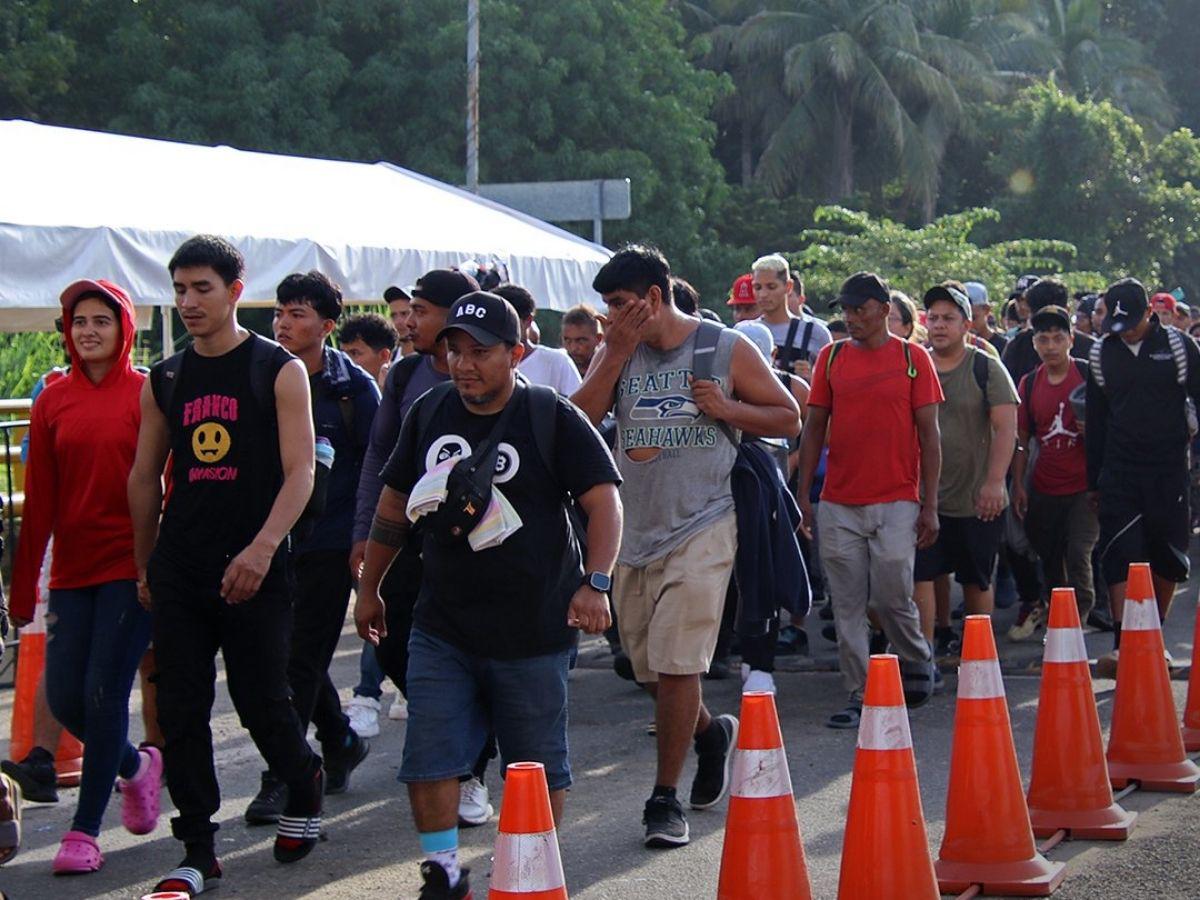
981,311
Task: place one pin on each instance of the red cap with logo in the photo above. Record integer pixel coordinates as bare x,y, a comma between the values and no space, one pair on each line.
742,293
1163,302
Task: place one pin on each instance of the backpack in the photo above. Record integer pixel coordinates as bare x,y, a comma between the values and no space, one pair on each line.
979,368
1027,384
1178,354
164,378
786,353
705,352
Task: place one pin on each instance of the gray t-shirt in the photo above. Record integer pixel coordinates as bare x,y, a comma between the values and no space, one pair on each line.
685,488
817,338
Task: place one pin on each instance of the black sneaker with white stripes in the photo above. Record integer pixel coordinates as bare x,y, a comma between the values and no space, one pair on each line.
666,825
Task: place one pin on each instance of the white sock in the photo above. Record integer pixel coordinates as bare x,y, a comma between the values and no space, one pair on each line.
448,860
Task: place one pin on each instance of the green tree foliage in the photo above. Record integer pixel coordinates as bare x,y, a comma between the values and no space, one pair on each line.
24,358
913,259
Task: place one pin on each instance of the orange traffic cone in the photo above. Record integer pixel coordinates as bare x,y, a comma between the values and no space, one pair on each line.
31,662
1191,712
1145,744
526,863
1069,787
885,853
763,856
988,840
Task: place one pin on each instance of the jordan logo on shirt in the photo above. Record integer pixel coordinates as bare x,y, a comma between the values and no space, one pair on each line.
1058,429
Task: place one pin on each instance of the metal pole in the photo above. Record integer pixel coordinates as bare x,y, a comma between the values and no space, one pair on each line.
473,96
168,337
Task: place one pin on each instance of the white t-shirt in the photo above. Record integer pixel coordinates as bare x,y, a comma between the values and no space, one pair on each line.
552,367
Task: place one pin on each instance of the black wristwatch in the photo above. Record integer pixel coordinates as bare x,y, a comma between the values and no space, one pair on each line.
598,581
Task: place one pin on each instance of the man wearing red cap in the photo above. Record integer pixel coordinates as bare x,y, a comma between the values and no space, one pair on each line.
741,299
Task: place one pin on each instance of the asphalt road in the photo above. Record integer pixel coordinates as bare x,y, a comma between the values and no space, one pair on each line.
372,849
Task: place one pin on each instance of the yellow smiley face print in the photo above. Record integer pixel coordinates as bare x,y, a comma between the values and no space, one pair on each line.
210,442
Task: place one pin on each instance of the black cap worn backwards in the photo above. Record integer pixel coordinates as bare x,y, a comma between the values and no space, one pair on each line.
395,293
1125,303
488,318
1050,317
442,287
950,294
861,287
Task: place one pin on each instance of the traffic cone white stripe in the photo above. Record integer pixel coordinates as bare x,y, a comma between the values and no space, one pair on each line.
526,863
1140,615
980,679
1065,645
758,774
884,728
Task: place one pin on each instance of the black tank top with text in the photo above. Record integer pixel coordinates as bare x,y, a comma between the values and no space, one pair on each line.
225,469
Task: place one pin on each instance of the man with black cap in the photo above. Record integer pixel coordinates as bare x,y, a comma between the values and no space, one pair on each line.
1143,386
433,295
1020,357
876,399
493,627
399,304
978,426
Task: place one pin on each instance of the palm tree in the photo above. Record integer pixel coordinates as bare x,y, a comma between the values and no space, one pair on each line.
867,87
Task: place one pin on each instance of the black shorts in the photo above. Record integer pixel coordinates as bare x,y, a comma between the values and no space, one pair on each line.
966,547
1145,516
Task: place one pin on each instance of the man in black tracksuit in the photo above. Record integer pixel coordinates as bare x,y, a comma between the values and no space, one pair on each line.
1142,374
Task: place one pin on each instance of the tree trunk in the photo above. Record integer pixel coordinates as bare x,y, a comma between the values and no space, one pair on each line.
841,183
747,155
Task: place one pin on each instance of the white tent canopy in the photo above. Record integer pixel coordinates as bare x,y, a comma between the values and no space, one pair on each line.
83,204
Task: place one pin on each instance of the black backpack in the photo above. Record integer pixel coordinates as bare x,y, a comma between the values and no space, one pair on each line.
164,378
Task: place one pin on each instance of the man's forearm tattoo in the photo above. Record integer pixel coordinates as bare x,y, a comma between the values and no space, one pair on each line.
389,532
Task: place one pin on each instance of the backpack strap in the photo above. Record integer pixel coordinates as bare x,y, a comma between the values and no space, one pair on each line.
1179,352
804,341
164,378
1082,367
432,402
543,419
400,374
703,356
979,365
1095,368
785,354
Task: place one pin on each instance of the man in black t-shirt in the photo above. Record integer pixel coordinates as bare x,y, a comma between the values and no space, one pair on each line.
233,412
492,628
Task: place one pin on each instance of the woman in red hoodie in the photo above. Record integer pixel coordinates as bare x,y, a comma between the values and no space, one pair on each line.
83,434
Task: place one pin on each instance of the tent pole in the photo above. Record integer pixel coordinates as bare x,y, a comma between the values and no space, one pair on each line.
168,338
473,96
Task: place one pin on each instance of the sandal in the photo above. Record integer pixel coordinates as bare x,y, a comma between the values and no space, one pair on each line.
10,828
78,854
847,718
190,880
140,794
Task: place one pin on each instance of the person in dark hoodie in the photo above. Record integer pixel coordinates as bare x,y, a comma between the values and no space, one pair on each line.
83,434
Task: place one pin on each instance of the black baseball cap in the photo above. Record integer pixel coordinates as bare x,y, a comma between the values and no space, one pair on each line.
861,287
395,293
1049,317
1125,302
442,287
487,317
951,294
1024,283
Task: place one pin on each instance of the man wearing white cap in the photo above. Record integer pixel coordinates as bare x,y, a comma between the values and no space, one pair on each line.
981,309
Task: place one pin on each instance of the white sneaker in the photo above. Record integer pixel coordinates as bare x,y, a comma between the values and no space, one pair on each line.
399,708
473,806
363,713
759,681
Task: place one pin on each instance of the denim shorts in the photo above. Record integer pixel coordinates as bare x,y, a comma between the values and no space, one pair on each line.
456,698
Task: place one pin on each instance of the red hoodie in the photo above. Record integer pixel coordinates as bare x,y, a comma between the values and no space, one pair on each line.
82,439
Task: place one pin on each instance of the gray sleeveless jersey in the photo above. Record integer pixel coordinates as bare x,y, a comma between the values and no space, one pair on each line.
685,487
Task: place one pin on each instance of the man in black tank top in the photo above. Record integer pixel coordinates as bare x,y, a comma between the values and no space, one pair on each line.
232,411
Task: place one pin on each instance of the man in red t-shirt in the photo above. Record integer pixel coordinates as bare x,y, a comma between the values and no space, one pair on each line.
1061,525
876,399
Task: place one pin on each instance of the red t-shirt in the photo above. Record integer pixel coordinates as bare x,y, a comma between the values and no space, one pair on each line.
874,455
1046,413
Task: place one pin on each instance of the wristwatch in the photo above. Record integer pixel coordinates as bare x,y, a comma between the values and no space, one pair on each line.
598,581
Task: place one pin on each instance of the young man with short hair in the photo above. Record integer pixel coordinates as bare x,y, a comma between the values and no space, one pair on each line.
676,449
981,313
1141,377
369,340
344,400
582,334
1055,507
1019,357
741,300
541,365
399,305
977,423
875,397
233,413
798,338
494,628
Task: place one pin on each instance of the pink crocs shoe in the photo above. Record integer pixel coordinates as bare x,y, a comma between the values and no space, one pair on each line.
140,794
77,855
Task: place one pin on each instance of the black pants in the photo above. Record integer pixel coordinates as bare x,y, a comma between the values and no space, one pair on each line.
398,591
322,593
191,623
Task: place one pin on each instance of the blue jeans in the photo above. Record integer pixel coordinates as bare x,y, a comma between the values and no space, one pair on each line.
370,673
455,699
95,638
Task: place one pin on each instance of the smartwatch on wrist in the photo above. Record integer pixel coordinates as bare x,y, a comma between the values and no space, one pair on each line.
598,581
